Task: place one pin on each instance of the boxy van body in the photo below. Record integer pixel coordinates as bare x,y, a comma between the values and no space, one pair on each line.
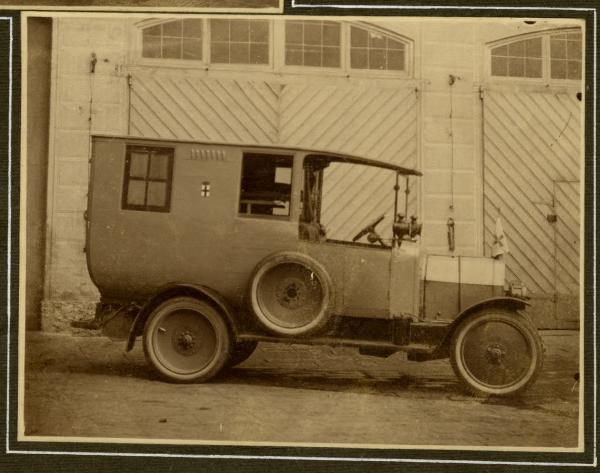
205,249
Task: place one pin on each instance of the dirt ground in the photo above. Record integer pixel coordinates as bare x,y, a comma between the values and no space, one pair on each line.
90,387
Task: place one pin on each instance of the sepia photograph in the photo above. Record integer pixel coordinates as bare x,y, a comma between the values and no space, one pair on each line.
305,231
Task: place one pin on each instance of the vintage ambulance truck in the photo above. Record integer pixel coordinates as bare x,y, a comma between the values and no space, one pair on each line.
206,249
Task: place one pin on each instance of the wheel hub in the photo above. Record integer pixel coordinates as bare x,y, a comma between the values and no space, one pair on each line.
291,293
495,353
185,343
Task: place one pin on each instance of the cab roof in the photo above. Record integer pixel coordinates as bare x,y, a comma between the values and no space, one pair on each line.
322,155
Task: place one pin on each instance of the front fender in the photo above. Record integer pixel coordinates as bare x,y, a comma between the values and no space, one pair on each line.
179,289
502,301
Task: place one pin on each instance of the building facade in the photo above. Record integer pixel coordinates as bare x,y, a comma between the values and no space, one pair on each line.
489,110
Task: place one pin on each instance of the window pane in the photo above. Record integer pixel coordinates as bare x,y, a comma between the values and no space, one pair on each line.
153,30
266,184
239,31
138,164
574,70
159,166
376,40
574,50
358,37
293,32
259,31
558,69
192,28
157,193
380,52
358,59
219,53
533,68
395,60
499,66
517,49
151,46
312,32
219,30
500,51
171,48
376,59
192,48
391,44
240,41
331,34
312,56
331,57
516,67
136,192
259,54
533,47
558,49
293,56
173,28
239,53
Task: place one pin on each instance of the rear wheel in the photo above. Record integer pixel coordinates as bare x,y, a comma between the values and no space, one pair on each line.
496,353
186,340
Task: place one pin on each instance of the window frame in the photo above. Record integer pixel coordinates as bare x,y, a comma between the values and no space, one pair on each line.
408,53
546,78
298,69
170,152
170,62
276,52
237,66
291,205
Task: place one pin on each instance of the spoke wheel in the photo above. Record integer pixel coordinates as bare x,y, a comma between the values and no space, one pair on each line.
496,353
241,352
186,340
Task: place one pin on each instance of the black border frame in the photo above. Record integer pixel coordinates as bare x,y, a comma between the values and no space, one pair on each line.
30,456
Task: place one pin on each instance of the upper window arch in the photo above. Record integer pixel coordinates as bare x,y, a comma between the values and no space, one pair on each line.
553,55
375,50
290,45
177,39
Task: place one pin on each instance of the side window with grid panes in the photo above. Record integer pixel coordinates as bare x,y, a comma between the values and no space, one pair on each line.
148,178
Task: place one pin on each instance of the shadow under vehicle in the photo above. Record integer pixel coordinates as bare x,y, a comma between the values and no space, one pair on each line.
206,249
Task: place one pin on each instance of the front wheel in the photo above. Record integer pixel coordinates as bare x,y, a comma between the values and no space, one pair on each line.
496,352
186,340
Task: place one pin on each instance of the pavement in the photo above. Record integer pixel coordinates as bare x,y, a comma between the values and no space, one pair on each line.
78,386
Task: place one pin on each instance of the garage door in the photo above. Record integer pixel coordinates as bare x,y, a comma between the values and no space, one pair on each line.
531,174
378,122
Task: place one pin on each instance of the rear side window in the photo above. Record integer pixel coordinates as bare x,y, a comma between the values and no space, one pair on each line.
148,176
266,185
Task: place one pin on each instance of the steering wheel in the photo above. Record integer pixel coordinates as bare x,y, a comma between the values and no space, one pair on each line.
368,228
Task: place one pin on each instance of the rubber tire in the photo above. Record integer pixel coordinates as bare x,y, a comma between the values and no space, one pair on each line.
326,286
220,332
478,388
241,352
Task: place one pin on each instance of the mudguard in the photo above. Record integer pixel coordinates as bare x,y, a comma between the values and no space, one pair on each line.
512,303
177,289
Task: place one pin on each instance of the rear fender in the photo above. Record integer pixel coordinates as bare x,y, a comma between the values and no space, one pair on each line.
180,289
511,303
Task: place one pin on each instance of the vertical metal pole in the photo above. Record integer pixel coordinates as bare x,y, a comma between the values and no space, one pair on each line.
407,191
129,85
555,255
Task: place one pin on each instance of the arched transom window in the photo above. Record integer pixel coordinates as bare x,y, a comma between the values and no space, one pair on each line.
293,44
555,55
